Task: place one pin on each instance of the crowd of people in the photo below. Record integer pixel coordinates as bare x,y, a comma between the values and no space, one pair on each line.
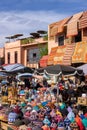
37,105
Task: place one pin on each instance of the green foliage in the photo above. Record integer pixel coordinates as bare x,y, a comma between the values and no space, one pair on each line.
43,50
27,40
31,40
45,37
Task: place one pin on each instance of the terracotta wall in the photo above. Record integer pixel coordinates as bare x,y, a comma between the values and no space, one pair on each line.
53,40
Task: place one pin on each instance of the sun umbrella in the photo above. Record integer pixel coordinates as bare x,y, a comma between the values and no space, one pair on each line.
84,68
17,68
60,69
24,75
38,76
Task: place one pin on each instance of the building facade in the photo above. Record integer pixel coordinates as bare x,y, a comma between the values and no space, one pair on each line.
24,51
2,52
67,43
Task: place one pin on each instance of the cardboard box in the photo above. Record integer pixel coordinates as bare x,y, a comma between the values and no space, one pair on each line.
82,101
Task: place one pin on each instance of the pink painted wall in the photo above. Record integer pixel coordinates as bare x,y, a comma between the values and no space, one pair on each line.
2,52
12,47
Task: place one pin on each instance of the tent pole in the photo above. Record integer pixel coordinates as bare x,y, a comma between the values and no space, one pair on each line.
59,78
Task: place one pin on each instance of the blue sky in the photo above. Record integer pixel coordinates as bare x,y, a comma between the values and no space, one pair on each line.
26,16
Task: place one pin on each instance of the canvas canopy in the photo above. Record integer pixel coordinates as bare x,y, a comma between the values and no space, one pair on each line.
14,68
24,75
3,74
60,69
84,68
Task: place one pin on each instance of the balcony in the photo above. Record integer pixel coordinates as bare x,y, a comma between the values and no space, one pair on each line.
31,41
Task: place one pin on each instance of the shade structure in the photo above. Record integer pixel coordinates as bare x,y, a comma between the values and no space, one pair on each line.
72,25
61,69
43,61
38,76
2,69
24,75
16,68
80,53
58,27
84,68
14,36
35,35
83,21
42,32
3,74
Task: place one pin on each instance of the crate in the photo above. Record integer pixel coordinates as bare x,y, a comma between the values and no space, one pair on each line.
82,101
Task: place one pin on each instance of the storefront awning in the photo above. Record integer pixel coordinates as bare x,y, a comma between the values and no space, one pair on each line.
59,55
58,27
51,56
43,61
83,21
80,53
72,25
56,55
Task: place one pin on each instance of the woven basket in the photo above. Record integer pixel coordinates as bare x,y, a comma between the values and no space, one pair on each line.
74,126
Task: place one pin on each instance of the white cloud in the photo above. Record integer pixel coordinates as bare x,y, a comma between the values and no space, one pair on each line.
26,22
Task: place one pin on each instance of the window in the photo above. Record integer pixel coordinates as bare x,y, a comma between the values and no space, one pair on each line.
34,55
61,40
16,57
8,57
28,55
78,37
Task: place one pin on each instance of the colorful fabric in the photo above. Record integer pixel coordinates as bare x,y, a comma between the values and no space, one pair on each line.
45,127
71,116
38,123
47,121
79,122
61,124
84,121
67,122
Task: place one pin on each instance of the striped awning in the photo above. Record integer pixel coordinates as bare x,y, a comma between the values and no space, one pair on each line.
58,27
54,30
72,25
43,61
83,21
56,55
59,55
51,56
80,53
